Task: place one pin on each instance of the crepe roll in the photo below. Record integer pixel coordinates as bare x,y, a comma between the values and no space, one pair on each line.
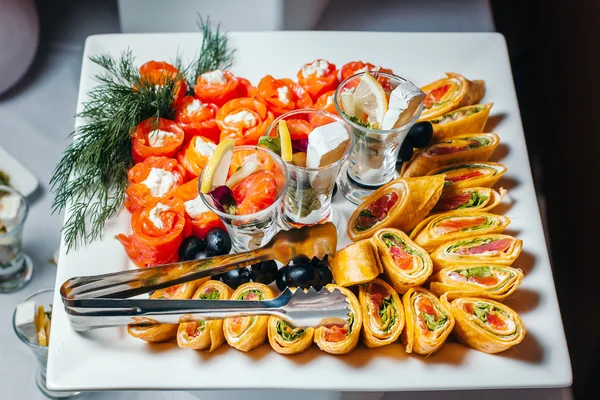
495,282
246,333
438,229
405,264
468,119
469,199
450,93
428,322
494,249
355,264
382,312
486,325
162,332
401,203
205,335
341,339
470,174
465,147
286,338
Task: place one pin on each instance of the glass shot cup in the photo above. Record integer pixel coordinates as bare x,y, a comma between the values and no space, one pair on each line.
42,297
251,231
16,267
310,190
372,160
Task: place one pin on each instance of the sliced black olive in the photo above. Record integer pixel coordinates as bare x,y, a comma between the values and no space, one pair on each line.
264,272
324,273
406,151
281,278
236,277
420,134
218,241
303,275
201,255
300,259
190,246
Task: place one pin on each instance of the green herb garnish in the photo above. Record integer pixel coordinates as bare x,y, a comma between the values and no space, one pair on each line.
214,295
271,143
476,200
357,121
258,293
478,272
288,332
388,314
433,322
201,325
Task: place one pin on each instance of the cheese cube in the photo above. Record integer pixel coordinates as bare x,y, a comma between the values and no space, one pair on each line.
326,144
25,320
404,100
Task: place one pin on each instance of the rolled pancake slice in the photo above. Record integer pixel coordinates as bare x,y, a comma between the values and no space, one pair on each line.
401,203
494,249
205,335
450,93
468,119
495,282
469,199
355,264
470,174
461,148
246,333
438,229
428,322
286,338
486,325
382,312
405,264
162,332
339,339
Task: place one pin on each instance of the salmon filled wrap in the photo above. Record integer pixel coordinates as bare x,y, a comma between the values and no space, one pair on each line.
382,312
438,229
355,264
492,249
282,95
194,156
469,119
341,339
156,138
245,120
428,322
405,264
469,199
205,335
495,282
465,147
197,119
486,325
286,338
318,77
470,174
246,333
450,93
401,203
218,87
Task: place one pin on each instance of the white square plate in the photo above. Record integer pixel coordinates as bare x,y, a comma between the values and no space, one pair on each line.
111,359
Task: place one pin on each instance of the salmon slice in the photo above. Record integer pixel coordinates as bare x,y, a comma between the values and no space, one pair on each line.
458,224
501,245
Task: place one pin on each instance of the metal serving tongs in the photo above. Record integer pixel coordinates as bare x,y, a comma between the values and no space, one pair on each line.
102,300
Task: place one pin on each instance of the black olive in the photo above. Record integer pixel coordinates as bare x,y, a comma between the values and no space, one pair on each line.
281,278
218,241
264,272
420,134
236,277
334,189
303,275
324,274
201,255
190,246
300,259
406,151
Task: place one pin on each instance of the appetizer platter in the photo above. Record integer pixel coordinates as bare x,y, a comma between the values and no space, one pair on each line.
442,267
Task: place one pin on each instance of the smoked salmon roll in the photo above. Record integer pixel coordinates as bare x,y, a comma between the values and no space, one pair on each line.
245,88
469,199
382,312
470,174
205,335
450,93
494,249
468,119
428,322
162,332
158,73
151,180
286,338
486,325
157,233
401,203
438,229
338,339
466,147
194,156
282,95
153,137
197,119
355,67
318,77
246,333
405,264
495,282
244,119
217,87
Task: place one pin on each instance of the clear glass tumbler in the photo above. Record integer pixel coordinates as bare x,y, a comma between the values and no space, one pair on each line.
308,197
16,267
43,297
252,231
372,160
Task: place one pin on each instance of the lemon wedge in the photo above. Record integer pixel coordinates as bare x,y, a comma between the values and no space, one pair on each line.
286,141
215,171
370,98
40,318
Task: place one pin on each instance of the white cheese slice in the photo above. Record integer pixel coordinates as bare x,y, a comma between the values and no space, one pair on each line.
159,182
154,215
244,116
205,148
195,105
215,76
9,211
403,102
195,207
25,320
157,137
326,144
283,94
317,68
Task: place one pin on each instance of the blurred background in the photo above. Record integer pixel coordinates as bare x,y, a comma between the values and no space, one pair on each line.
552,47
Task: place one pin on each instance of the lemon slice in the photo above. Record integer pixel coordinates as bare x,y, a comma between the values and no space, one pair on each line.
40,318
215,171
286,141
370,98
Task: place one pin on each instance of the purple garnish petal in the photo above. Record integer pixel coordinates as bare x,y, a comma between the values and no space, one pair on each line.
300,145
223,198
